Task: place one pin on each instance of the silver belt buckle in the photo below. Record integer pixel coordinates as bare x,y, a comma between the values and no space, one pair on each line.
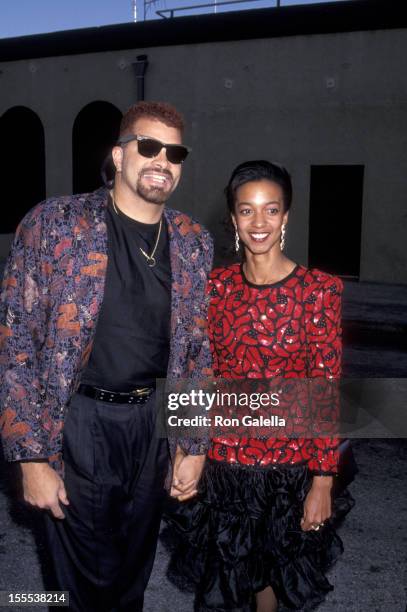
141,392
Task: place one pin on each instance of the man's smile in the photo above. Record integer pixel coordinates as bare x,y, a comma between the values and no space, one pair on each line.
157,178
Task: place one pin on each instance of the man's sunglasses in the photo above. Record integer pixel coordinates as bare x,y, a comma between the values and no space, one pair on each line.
150,147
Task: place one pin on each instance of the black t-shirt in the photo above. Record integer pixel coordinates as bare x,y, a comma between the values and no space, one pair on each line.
132,338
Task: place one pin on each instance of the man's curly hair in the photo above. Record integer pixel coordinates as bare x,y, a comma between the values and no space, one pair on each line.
161,111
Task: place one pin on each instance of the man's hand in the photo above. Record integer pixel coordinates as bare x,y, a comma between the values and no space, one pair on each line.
187,471
317,505
43,488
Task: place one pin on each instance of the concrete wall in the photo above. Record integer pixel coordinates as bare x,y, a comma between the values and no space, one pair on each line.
302,100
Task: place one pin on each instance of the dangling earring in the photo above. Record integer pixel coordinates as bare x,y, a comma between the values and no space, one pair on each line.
282,237
237,243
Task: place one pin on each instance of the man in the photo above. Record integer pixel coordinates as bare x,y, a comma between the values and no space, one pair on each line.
103,293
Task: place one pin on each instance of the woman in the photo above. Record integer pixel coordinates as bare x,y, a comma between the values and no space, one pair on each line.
260,531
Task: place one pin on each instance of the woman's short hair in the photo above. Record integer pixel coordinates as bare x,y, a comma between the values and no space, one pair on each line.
258,170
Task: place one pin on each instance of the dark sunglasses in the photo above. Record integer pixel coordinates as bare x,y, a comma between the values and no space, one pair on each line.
150,147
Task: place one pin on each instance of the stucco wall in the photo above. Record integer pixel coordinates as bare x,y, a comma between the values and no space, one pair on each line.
302,100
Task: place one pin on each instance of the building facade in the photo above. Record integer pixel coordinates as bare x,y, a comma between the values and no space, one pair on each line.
321,89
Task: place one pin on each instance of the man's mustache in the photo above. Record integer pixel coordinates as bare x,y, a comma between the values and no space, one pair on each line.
158,170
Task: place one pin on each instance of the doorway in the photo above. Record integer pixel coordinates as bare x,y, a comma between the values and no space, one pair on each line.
335,223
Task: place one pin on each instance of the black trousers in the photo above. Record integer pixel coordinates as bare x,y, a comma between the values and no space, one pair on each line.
103,551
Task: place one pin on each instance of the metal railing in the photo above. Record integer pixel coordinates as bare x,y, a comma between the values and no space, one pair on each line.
163,12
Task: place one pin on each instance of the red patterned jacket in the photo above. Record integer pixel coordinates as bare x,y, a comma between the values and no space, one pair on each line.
290,329
51,296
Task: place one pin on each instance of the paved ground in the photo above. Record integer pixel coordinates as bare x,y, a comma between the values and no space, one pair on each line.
371,575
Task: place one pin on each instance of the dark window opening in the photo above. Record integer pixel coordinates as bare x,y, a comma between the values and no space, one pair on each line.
95,131
22,165
335,222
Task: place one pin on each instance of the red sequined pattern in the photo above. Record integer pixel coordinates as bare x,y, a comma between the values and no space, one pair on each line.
290,329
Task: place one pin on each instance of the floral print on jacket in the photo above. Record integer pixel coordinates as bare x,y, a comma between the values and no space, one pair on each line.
51,296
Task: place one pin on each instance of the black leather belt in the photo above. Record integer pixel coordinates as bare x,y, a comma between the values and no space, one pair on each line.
137,396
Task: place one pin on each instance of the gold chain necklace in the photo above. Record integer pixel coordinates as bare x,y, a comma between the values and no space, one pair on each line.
150,258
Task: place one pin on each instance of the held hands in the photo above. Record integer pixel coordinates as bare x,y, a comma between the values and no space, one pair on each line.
43,488
317,505
187,472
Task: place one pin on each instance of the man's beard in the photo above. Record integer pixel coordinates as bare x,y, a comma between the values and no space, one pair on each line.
154,194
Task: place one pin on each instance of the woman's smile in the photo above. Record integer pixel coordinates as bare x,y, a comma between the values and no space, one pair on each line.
259,236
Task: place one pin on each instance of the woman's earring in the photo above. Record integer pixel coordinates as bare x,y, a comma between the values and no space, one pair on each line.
237,243
282,237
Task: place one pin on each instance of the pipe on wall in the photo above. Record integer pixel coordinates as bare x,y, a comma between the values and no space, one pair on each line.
140,68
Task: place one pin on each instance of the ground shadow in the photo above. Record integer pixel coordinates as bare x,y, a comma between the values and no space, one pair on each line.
24,516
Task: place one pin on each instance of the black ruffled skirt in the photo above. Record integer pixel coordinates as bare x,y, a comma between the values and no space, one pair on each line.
242,533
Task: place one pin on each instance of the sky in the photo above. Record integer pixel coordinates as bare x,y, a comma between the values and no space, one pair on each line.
23,17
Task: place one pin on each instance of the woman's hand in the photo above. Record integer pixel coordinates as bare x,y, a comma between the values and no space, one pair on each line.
187,472
317,505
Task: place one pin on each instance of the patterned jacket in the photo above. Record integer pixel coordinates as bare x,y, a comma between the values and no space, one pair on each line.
51,296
